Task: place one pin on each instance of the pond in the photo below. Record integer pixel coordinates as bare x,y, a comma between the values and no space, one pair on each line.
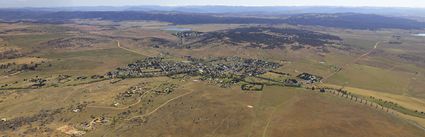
419,34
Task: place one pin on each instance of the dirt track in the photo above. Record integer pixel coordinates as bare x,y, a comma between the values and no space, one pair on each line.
353,61
130,50
160,106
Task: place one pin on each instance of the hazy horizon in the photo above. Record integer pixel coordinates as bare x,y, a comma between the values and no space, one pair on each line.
177,3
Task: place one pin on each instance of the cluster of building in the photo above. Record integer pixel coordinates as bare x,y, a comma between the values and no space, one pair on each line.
152,67
310,78
132,92
292,83
221,67
185,34
38,82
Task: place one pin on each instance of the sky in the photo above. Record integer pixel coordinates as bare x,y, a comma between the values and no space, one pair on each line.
350,3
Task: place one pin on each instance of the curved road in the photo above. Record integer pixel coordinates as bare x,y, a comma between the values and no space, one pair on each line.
160,106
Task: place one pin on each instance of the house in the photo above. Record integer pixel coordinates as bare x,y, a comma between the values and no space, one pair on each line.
252,87
292,83
310,78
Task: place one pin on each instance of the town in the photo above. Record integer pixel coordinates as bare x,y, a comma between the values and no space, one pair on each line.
235,68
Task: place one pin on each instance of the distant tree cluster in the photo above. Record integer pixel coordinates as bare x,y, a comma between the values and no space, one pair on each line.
73,42
355,21
10,54
13,67
412,58
42,118
269,37
157,42
340,20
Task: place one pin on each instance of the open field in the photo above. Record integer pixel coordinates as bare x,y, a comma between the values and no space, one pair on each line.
105,78
204,110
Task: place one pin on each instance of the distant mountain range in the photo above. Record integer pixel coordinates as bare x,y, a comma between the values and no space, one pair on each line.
328,17
251,9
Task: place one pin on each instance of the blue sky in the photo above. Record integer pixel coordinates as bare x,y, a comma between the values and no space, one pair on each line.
68,3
